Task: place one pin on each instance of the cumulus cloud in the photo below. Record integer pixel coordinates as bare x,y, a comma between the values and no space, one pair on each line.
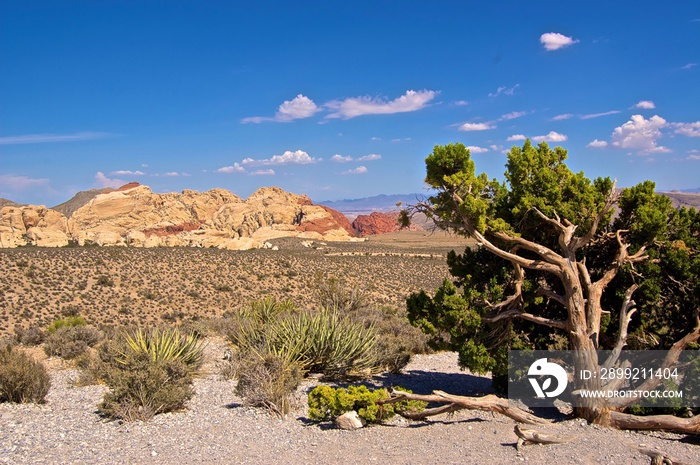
357,106
127,173
503,90
597,144
551,137
476,127
688,129
235,168
104,181
516,137
598,115
477,149
18,183
555,41
358,170
44,138
562,117
341,159
645,105
640,134
298,157
268,172
370,157
297,108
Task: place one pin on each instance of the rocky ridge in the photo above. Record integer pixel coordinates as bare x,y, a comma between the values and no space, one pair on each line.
135,216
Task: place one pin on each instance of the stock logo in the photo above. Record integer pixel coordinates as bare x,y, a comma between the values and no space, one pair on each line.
546,371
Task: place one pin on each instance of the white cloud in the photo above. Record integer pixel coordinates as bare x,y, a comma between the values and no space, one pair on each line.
645,105
174,174
235,168
298,157
555,41
376,138
597,144
512,115
503,90
405,139
358,106
688,129
460,103
43,138
297,108
8,181
104,181
268,172
476,127
598,115
477,149
551,137
693,157
640,134
358,170
127,173
370,157
494,147
689,66
516,137
562,117
341,159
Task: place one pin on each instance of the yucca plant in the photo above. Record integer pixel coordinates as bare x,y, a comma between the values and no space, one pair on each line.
325,342
162,345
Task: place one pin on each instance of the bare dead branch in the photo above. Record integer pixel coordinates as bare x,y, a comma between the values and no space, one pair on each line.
551,295
626,313
488,403
517,313
610,202
532,436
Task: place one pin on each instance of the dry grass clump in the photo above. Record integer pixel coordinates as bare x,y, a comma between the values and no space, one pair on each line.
22,379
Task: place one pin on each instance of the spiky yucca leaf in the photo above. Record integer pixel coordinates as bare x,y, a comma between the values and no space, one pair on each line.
163,346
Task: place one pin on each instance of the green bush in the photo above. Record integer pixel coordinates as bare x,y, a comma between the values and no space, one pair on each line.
22,379
70,342
148,372
327,403
68,321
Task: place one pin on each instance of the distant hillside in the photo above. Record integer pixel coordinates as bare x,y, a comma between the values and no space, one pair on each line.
78,200
684,198
8,203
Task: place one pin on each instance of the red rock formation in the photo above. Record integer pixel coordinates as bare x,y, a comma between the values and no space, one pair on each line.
341,219
171,230
128,186
375,223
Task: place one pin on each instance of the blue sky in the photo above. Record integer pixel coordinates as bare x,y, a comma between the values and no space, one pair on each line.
339,100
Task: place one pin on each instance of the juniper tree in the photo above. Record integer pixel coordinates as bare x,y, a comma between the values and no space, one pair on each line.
560,262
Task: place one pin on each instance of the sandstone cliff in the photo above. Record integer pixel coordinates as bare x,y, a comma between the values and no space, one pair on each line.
135,216
379,223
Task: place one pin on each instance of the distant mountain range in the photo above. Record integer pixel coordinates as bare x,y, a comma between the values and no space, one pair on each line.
377,203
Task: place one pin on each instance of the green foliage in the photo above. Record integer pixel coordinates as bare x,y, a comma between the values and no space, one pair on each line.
148,372
68,321
538,182
327,403
22,379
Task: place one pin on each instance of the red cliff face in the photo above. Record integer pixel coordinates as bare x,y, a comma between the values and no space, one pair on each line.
339,218
375,223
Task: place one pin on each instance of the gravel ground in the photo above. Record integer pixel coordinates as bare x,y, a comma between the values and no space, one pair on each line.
218,428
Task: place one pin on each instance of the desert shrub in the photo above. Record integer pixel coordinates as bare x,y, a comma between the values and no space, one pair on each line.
104,280
68,321
148,372
332,292
327,403
71,341
268,380
32,336
22,379
397,340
